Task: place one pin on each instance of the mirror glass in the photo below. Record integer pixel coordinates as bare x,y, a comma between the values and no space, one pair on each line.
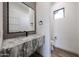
21,17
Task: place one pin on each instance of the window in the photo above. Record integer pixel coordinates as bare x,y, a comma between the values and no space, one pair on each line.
59,14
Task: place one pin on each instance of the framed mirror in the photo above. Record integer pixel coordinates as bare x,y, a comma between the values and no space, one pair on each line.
21,18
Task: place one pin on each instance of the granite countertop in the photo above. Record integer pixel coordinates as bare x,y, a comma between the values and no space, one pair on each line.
12,42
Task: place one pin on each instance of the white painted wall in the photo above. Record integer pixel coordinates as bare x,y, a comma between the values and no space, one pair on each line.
66,29
43,13
1,23
78,26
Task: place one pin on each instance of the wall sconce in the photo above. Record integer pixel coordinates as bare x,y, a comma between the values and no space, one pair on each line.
40,22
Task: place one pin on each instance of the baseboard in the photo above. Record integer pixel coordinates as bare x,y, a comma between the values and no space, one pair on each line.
66,51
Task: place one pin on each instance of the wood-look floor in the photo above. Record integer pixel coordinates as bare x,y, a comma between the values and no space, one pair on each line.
60,53
57,53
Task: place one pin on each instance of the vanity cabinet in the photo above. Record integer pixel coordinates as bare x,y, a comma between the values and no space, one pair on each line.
24,49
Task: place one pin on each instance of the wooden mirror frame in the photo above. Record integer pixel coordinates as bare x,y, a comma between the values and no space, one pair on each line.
19,31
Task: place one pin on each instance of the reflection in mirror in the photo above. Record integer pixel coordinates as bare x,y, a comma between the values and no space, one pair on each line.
21,17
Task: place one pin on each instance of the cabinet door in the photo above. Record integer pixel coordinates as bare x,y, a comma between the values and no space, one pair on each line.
35,44
13,52
17,51
5,53
20,51
41,41
28,49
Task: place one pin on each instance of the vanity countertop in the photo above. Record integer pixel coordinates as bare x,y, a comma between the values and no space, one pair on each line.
12,42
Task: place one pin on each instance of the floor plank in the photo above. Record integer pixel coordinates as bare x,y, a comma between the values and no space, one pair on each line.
59,53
